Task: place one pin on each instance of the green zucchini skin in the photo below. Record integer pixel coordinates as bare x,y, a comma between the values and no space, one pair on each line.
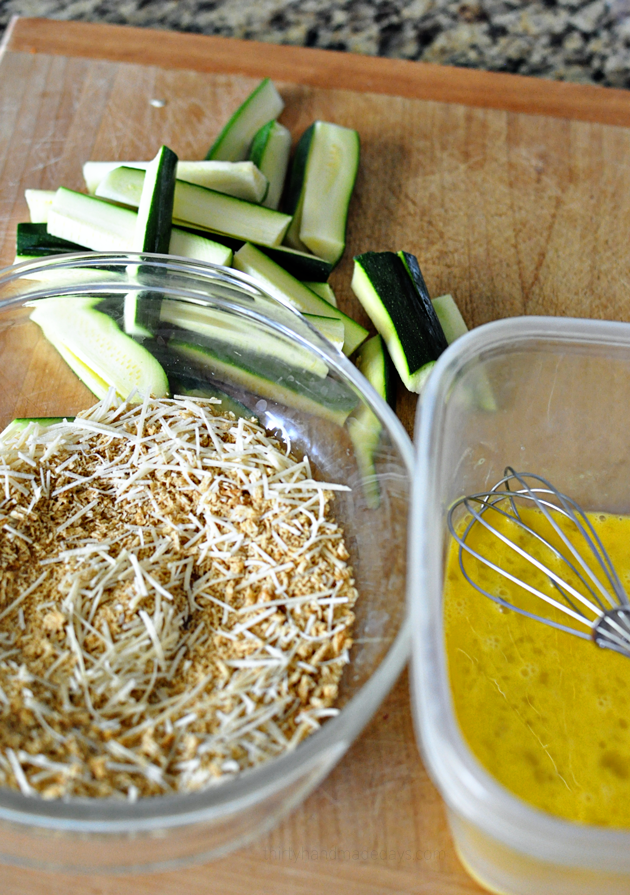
374,362
270,153
269,378
155,212
385,289
295,184
232,144
425,305
301,265
320,188
36,241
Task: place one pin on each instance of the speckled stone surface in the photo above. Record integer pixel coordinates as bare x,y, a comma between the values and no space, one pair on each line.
587,42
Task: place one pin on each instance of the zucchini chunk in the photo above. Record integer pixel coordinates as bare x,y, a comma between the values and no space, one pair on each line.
324,290
201,207
383,286
271,379
450,317
155,210
278,283
98,351
240,179
364,426
322,180
270,153
263,104
96,224
34,241
39,202
301,265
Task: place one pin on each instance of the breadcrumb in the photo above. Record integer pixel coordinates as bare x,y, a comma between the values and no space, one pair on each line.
175,603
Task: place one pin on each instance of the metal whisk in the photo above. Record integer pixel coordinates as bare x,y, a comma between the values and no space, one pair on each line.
593,596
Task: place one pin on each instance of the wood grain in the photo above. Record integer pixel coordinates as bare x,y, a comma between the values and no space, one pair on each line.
513,213
322,68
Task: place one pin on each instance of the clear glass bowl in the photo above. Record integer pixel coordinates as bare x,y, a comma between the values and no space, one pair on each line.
544,395
164,832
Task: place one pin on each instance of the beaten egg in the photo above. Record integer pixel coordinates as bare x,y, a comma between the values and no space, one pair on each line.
545,712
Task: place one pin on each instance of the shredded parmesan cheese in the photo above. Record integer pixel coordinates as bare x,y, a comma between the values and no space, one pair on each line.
175,600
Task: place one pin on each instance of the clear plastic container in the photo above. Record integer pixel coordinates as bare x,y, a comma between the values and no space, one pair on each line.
544,395
165,832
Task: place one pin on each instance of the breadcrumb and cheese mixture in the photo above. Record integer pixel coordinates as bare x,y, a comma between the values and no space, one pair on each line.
175,600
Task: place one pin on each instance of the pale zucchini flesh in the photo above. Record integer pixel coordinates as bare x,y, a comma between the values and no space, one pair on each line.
384,288
270,153
263,104
331,172
201,207
278,283
450,317
322,180
99,345
240,179
102,227
330,327
39,203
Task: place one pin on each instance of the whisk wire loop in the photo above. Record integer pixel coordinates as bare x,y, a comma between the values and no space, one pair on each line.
465,548
574,513
602,596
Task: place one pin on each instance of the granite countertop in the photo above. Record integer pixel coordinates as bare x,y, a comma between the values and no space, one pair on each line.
587,41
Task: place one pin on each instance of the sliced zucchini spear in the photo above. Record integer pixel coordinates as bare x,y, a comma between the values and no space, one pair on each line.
390,297
270,153
278,283
233,143
200,207
97,350
240,179
155,211
103,227
270,378
322,180
301,265
363,425
425,305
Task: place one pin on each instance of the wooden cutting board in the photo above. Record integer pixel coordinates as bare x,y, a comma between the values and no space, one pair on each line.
515,195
